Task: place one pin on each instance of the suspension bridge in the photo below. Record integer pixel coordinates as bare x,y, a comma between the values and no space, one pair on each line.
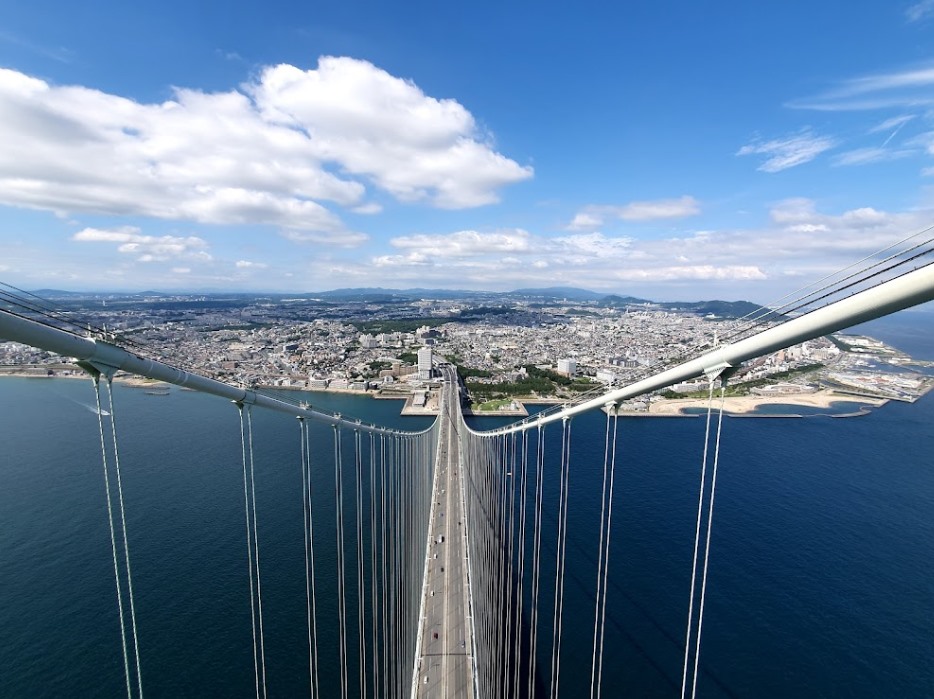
441,565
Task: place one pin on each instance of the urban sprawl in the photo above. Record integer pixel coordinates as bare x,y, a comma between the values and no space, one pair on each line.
508,349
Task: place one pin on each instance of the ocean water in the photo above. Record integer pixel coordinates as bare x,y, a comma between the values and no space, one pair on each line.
821,578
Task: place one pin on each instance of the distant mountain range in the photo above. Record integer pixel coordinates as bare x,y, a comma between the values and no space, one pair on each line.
722,309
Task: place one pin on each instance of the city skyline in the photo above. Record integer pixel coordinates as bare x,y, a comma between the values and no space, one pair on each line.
672,152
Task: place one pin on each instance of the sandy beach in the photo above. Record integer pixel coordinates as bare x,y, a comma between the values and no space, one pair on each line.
746,404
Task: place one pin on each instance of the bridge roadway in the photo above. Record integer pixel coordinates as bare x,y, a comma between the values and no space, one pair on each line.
444,664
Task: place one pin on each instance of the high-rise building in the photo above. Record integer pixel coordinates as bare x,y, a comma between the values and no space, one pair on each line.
424,363
568,367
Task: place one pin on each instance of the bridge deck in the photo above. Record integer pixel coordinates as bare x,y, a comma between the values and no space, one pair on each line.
445,663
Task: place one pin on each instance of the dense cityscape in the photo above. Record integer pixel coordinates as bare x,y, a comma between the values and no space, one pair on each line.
534,346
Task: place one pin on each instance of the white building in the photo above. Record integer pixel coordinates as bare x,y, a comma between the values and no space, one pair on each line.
424,363
567,367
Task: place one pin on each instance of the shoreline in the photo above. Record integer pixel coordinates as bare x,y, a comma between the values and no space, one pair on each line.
742,405
733,405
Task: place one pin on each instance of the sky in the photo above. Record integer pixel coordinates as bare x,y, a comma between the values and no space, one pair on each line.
664,149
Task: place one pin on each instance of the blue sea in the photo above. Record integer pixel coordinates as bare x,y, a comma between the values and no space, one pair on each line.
821,578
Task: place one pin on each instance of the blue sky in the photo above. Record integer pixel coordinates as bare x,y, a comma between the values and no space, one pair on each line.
669,150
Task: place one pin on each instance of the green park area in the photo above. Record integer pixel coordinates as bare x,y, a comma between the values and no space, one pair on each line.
537,382
492,404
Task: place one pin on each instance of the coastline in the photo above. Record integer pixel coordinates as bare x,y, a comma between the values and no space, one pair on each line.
746,404
72,372
733,405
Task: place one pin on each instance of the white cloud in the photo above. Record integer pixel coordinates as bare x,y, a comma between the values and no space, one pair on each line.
147,248
246,264
586,220
923,140
799,241
385,128
784,153
411,259
344,239
920,10
593,216
56,53
893,123
595,244
903,89
228,55
864,156
368,209
181,270
694,273
802,231
275,152
911,77
659,208
466,243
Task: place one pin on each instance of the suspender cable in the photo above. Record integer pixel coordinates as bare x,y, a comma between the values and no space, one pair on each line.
259,583
536,555
126,546
405,597
393,569
603,506
511,529
249,545
384,565
560,558
520,574
533,568
500,611
606,559
310,601
361,598
493,618
402,556
697,536
113,538
374,596
713,491
397,565
341,602
399,573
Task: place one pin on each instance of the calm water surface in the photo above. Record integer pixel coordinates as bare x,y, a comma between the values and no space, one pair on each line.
822,561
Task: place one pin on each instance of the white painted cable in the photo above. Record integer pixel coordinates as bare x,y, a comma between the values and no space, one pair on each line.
126,546
113,539
713,490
